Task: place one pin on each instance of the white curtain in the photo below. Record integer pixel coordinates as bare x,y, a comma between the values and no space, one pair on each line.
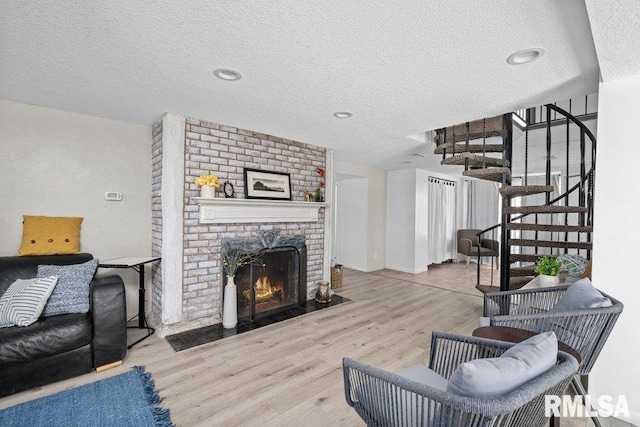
442,220
484,204
483,209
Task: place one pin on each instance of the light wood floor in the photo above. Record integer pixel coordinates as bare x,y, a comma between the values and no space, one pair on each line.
289,374
457,277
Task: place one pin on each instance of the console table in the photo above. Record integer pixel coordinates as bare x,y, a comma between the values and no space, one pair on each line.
137,264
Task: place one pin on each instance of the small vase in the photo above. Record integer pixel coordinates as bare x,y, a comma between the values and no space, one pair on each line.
208,191
322,294
548,281
230,308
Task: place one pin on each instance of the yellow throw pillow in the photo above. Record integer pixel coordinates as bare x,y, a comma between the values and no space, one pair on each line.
48,235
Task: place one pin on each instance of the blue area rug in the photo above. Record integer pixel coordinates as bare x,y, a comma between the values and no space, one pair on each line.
129,399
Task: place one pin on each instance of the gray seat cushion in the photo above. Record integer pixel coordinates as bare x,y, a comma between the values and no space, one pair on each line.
424,375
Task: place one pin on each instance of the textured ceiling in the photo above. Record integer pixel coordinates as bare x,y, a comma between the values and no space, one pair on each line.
616,34
401,67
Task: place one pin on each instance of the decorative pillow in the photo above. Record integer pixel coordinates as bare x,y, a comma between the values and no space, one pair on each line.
495,377
580,295
574,264
23,302
71,295
45,235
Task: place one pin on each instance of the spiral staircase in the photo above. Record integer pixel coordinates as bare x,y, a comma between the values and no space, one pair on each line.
562,223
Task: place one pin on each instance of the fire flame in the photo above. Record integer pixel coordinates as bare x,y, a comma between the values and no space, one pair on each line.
265,290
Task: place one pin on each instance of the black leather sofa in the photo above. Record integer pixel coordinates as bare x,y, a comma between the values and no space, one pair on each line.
59,347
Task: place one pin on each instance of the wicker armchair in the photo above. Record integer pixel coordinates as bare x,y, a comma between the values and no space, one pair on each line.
382,398
586,330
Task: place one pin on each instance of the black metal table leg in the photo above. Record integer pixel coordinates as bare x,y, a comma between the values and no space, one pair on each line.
142,320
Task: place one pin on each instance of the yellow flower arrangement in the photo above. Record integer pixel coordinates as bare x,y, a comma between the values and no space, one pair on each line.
209,180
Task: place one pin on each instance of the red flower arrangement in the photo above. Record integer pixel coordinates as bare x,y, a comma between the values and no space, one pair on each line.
319,196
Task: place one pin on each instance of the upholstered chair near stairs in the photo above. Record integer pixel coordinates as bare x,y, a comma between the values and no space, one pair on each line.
470,245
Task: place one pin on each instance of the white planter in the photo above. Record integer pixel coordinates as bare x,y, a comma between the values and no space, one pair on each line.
548,281
230,308
208,191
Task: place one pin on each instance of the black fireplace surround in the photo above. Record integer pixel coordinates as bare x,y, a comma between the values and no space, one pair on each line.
279,284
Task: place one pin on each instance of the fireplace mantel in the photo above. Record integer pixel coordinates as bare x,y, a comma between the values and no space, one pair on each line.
227,211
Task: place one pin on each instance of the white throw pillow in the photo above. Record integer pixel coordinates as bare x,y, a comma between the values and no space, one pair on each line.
23,302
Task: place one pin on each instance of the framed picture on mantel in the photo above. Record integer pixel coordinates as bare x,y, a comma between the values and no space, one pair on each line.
267,185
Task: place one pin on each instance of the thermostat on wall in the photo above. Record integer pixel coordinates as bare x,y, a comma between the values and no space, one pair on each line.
114,196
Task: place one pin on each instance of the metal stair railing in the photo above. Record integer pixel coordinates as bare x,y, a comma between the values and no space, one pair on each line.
555,116
585,186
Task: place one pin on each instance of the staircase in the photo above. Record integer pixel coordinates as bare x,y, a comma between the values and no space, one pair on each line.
559,225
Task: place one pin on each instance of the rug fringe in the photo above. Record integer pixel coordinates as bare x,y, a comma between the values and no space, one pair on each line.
161,416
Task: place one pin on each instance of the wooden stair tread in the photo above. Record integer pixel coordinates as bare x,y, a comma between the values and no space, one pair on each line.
549,227
528,270
489,127
527,257
544,209
525,190
489,174
518,282
550,244
485,289
472,148
474,160
462,136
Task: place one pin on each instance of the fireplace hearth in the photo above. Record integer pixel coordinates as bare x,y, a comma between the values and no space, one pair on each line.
207,334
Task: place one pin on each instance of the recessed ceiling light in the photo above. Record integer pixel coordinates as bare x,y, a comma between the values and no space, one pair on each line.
342,114
525,56
227,74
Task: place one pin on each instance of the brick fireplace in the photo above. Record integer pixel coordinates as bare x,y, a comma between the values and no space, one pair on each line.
188,231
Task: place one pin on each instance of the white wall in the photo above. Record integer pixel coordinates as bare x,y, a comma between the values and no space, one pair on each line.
55,163
615,265
421,226
373,251
351,223
401,220
408,217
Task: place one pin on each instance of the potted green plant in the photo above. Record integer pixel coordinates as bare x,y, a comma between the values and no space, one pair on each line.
548,267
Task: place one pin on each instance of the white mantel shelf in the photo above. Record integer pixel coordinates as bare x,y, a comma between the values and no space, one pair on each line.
227,211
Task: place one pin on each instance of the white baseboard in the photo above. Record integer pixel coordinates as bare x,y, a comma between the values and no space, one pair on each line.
404,270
